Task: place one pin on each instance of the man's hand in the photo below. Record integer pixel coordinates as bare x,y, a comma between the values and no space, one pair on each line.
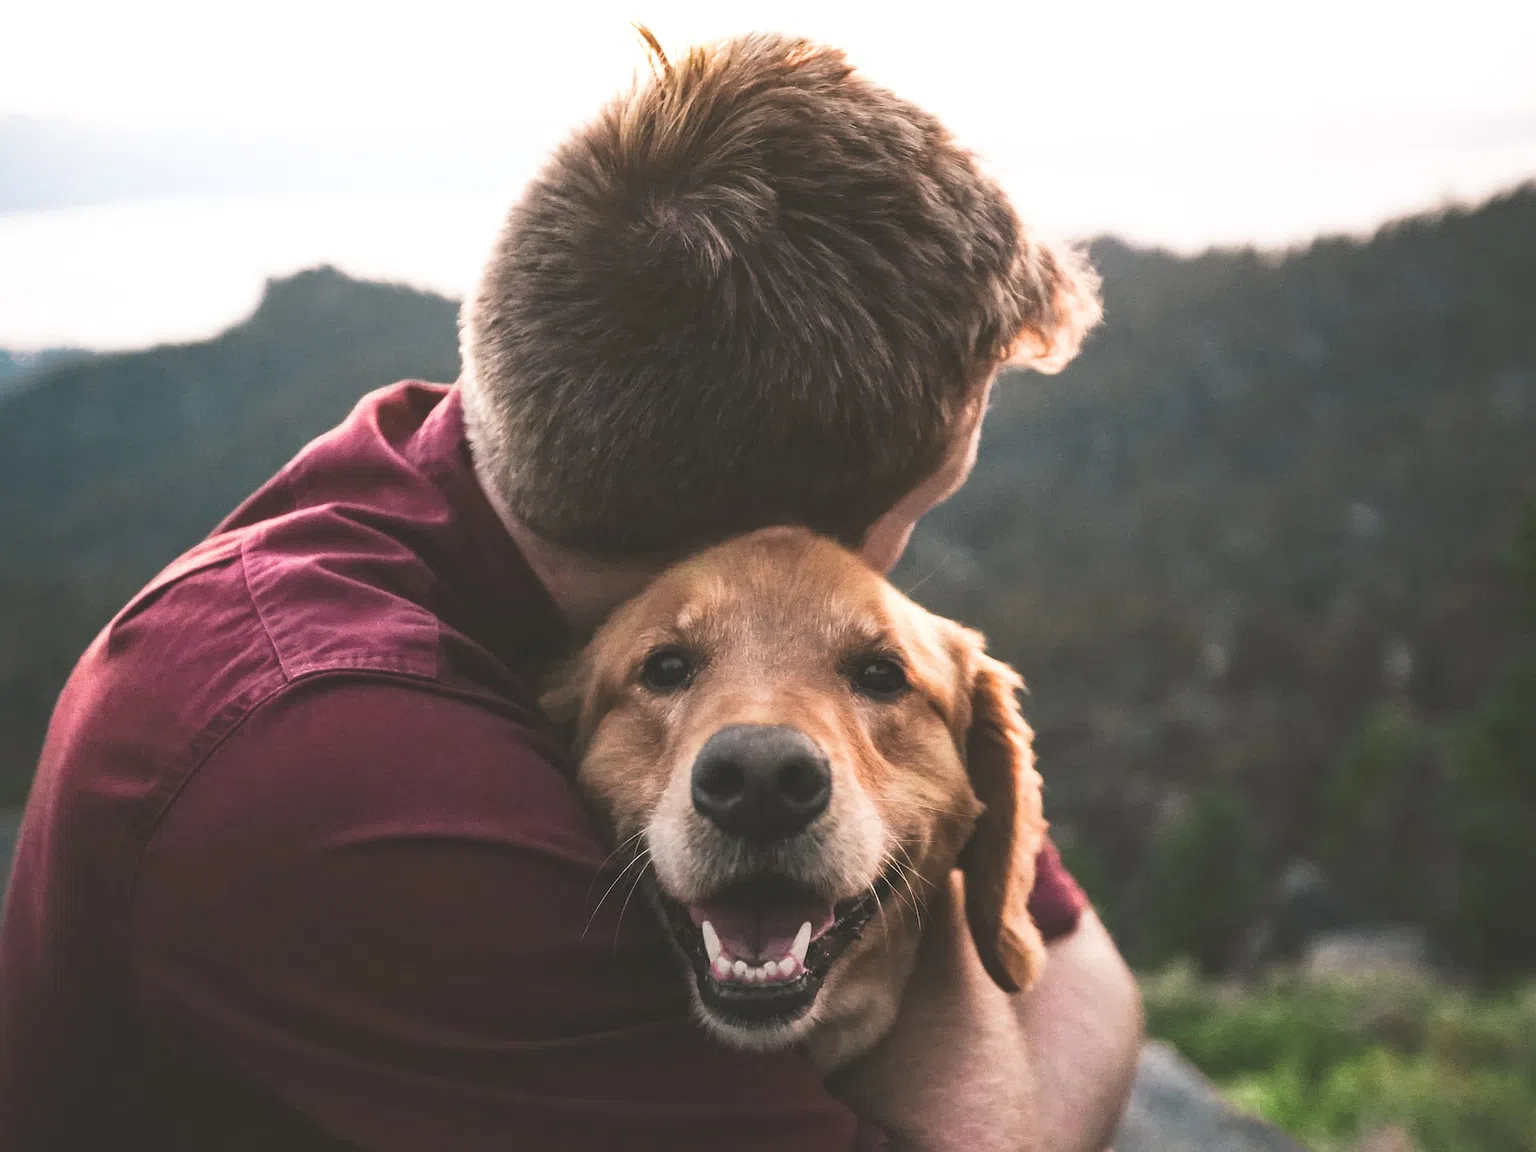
968,1067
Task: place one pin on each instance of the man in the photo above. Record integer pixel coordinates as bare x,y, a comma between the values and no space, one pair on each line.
303,866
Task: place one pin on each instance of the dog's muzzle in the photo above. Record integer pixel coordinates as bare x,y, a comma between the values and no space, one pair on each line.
761,944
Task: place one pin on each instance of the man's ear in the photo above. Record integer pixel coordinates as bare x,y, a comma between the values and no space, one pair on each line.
999,860
1057,293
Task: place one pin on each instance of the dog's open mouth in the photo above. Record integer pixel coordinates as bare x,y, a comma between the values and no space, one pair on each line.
760,948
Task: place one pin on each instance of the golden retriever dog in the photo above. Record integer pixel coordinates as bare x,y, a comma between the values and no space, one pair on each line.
789,749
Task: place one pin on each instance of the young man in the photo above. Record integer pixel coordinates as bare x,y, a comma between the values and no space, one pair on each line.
303,866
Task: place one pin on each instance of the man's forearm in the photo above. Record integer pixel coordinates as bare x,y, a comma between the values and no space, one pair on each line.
970,1068
1082,1026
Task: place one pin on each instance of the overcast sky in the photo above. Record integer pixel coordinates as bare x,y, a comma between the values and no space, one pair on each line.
995,68
1178,122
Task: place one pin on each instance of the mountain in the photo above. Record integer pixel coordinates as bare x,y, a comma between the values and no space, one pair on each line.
17,369
1271,498
113,465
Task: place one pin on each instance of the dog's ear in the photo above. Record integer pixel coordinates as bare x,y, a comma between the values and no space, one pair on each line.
565,691
999,860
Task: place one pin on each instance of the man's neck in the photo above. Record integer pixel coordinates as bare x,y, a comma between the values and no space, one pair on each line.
585,588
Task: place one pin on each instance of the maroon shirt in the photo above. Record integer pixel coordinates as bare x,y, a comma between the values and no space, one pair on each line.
303,866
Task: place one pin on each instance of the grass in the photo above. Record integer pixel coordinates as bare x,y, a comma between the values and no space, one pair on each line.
1329,1062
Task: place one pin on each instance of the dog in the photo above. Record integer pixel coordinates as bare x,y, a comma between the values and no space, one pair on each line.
788,748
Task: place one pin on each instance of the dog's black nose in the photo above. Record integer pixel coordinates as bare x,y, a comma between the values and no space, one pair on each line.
761,782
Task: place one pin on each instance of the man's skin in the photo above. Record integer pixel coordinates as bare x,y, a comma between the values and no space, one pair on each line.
967,1067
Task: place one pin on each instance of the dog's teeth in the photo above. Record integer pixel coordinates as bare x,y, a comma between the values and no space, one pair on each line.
802,943
711,941
721,967
739,968
771,969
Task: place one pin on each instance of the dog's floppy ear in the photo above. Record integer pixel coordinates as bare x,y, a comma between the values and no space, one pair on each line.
565,691
999,860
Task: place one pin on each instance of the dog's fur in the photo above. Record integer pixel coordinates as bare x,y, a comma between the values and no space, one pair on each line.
939,777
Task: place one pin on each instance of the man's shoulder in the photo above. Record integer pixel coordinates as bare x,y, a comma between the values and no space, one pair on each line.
385,756
234,621
292,604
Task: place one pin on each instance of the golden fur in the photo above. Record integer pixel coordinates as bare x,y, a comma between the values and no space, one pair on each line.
939,778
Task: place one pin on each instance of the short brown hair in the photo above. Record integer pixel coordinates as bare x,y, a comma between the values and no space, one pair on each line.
756,289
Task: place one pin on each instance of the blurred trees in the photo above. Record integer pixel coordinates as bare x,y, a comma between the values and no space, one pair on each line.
1205,884
1494,808
1383,829
1251,541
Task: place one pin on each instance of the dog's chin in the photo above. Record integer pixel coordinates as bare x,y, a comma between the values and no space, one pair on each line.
758,990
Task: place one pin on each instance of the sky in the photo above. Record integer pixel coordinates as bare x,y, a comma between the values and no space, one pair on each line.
1181,123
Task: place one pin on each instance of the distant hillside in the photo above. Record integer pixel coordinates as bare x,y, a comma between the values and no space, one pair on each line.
1272,494
18,368
1270,497
112,466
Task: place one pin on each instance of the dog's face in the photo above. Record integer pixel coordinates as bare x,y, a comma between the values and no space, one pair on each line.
795,749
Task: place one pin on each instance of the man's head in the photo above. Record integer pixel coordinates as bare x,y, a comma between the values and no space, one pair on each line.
756,290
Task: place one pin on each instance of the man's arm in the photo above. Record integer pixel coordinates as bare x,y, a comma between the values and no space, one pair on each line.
973,1069
386,909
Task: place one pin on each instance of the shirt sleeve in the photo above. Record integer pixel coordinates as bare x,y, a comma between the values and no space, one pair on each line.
388,908
1056,903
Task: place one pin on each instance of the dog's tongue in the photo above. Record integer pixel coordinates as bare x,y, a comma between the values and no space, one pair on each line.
763,927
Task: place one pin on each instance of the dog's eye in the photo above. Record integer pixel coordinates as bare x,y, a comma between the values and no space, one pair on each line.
666,670
880,677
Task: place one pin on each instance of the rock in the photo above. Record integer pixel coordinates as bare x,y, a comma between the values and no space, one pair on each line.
1388,1139
1174,1108
1369,951
1303,905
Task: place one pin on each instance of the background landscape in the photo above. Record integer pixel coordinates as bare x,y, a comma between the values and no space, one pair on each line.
1265,553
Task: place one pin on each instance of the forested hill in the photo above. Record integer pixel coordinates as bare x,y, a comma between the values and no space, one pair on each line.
1269,499
113,465
1267,510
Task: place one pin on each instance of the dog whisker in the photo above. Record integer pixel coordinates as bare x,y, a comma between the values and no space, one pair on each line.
611,857
885,926
639,857
905,871
937,568
639,876
934,810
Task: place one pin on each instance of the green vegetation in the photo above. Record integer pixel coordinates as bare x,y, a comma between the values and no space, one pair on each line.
1328,1062
1494,806
1385,794
1493,824
1205,884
